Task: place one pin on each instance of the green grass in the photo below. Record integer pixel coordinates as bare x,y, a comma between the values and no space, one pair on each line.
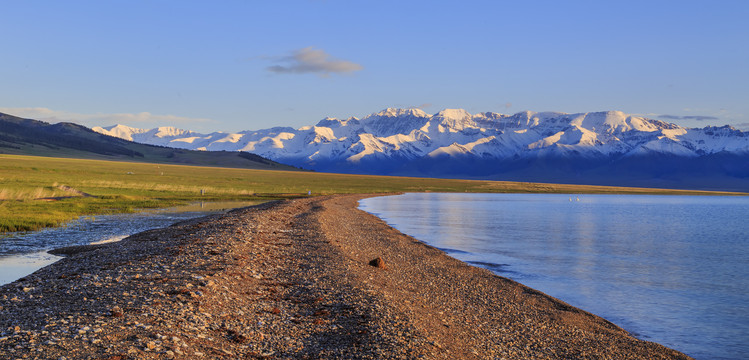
116,187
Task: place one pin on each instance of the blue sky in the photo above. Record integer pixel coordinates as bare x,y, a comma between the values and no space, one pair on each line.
243,65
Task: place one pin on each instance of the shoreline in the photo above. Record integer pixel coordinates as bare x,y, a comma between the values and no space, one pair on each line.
291,279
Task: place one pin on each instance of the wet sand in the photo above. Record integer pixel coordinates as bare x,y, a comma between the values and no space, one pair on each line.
291,279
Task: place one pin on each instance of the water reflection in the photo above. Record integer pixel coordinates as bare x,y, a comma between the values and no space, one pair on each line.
17,266
672,269
24,252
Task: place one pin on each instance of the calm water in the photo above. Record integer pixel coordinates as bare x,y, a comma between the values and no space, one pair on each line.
669,269
24,253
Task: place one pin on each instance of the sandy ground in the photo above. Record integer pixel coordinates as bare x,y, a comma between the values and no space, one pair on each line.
291,279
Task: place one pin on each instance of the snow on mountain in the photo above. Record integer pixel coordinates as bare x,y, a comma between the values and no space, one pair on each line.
413,133
394,121
120,131
390,140
163,136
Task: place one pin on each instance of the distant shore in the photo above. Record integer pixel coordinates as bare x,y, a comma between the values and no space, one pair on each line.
291,279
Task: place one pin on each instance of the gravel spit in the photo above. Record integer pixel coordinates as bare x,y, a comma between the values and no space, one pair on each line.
296,279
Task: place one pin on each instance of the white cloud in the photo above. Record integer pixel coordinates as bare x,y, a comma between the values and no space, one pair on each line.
311,60
742,126
687,117
100,119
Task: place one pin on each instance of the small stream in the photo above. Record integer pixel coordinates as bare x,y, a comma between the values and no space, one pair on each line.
22,253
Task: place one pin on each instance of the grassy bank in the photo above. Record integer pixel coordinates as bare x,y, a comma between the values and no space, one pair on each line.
38,192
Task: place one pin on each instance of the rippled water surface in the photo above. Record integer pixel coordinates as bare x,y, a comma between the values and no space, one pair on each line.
670,269
24,253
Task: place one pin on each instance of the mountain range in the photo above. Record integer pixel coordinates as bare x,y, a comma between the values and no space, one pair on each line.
21,136
610,148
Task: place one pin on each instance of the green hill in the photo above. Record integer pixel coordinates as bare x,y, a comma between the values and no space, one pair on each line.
20,136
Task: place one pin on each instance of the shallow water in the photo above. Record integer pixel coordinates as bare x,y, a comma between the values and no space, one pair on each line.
25,252
669,269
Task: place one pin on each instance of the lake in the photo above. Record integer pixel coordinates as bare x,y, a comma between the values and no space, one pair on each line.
25,252
669,269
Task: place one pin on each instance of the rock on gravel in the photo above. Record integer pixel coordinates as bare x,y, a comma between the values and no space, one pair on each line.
378,263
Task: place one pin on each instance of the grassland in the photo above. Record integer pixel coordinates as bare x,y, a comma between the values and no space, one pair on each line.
38,192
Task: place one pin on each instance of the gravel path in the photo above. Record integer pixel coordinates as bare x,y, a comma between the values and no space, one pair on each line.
291,279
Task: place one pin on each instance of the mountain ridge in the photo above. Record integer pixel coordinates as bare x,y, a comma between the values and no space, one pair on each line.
412,142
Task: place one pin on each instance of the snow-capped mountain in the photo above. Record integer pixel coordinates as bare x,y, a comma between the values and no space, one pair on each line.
597,147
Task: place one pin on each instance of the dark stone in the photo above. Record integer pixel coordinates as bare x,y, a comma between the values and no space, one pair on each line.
378,263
